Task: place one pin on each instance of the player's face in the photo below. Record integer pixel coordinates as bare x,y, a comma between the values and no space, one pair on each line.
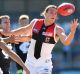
51,14
24,22
6,24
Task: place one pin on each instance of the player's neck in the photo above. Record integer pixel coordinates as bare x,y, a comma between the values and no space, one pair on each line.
48,22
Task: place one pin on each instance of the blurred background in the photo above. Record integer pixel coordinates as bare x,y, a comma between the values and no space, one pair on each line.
66,59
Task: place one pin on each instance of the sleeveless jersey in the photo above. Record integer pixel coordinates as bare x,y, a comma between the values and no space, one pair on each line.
42,41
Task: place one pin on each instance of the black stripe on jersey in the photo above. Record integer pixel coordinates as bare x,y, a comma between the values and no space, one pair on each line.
37,50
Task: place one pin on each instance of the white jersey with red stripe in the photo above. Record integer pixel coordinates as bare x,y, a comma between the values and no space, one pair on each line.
42,42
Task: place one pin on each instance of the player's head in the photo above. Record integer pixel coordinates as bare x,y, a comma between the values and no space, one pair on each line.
5,22
24,20
50,12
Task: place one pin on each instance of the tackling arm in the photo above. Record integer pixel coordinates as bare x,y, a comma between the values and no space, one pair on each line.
13,55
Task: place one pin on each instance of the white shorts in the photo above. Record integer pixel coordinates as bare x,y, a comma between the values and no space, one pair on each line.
45,68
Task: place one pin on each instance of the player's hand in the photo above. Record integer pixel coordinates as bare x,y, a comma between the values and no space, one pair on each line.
11,39
74,25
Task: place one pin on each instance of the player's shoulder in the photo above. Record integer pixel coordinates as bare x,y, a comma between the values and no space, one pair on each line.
36,20
33,21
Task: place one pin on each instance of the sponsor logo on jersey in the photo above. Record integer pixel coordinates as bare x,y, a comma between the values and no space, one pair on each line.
47,34
35,30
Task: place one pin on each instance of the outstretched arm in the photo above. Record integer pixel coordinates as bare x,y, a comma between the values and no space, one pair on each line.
16,39
22,30
18,31
14,56
66,40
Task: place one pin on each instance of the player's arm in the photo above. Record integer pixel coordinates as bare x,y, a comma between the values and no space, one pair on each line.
16,39
18,31
66,40
13,55
21,30
25,38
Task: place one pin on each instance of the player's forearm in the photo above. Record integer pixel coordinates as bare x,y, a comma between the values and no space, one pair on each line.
12,54
16,58
69,38
21,30
15,32
18,31
66,40
25,39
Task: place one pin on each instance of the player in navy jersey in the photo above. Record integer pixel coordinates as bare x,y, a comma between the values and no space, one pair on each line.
4,57
45,34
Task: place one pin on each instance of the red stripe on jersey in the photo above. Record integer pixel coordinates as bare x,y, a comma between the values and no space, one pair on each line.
38,24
